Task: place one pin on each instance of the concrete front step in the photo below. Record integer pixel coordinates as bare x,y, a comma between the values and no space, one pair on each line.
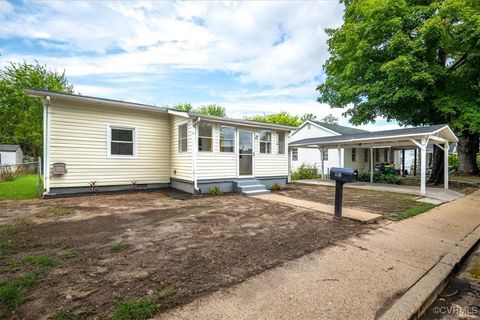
250,187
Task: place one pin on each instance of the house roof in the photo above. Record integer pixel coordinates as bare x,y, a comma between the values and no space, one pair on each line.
9,147
131,105
338,128
379,136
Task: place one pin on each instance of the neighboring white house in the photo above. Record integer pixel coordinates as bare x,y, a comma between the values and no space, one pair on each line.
10,154
121,145
342,157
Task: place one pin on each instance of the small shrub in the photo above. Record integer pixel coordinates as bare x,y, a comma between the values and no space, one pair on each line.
40,260
93,186
119,246
276,187
215,191
133,309
6,174
305,171
165,300
379,177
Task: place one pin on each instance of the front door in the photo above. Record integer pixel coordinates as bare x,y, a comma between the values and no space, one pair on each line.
245,153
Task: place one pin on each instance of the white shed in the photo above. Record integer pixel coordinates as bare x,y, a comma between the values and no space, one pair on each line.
10,154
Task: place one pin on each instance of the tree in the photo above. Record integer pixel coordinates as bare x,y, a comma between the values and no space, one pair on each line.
309,116
281,117
412,61
183,107
20,115
211,109
330,118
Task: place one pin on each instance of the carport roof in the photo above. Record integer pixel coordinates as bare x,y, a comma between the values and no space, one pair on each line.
441,130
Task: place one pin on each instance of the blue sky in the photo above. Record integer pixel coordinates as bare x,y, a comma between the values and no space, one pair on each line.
250,57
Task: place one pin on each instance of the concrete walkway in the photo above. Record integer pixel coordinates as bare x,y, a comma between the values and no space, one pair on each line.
444,195
354,214
387,273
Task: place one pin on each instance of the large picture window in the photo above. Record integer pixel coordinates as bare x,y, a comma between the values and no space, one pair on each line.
183,138
227,139
265,141
205,137
121,142
281,142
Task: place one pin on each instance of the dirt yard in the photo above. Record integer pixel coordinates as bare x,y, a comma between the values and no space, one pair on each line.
386,203
86,254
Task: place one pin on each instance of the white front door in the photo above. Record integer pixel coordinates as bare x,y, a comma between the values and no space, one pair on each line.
245,153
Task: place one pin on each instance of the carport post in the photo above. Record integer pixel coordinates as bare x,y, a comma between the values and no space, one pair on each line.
371,165
423,167
445,165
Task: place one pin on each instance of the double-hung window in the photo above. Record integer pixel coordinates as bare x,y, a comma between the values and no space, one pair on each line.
294,154
265,141
280,142
325,154
227,139
385,155
377,155
122,142
365,155
205,136
183,138
354,154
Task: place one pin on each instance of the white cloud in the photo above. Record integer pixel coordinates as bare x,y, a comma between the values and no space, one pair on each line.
234,36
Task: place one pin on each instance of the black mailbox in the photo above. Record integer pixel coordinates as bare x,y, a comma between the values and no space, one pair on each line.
344,174
341,176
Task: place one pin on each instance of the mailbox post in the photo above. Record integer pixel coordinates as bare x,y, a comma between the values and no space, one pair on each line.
341,176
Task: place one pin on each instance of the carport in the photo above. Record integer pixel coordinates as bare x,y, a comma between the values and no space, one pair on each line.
405,138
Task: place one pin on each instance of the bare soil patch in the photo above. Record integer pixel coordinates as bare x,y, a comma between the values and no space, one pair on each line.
386,203
193,246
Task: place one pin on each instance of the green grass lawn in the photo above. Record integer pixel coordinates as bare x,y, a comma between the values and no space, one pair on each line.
24,187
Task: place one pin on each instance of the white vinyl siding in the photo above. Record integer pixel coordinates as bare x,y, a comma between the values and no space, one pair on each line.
79,138
270,164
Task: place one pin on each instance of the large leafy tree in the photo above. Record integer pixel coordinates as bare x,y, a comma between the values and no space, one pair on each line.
415,61
20,115
281,117
211,109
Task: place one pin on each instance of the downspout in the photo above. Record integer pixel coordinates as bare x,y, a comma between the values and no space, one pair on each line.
46,145
194,156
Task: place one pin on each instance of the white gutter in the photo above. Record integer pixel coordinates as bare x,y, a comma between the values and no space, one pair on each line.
178,113
194,155
46,144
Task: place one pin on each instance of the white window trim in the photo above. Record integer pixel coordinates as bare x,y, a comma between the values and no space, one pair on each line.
220,140
178,136
265,141
109,141
211,137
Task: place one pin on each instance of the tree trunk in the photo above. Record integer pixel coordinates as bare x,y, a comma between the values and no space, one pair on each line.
436,177
467,153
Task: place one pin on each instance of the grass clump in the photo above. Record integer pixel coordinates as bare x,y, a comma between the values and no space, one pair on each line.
70,315
143,308
119,246
133,309
45,261
276,187
413,211
11,291
215,191
55,212
69,254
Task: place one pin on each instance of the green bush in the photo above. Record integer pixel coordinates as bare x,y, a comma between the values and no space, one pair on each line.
7,174
453,161
215,191
379,178
305,171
